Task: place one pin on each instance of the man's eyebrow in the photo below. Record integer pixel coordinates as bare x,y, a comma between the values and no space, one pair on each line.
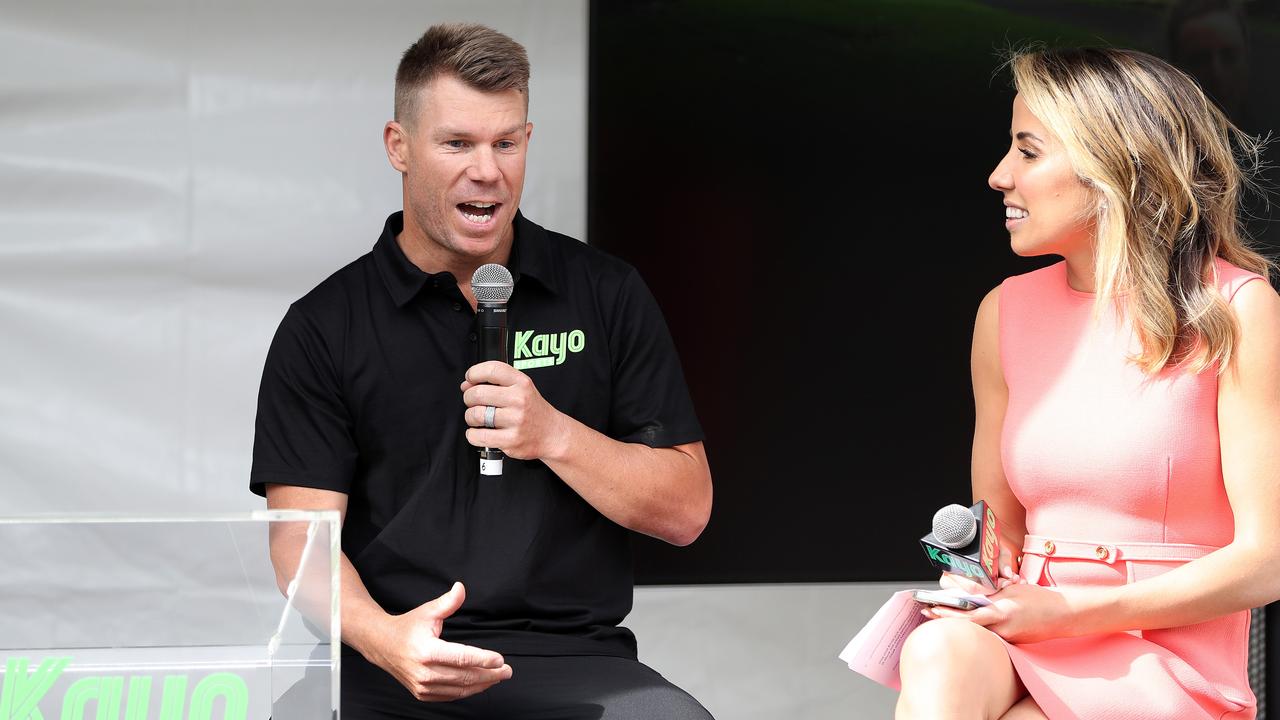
445,131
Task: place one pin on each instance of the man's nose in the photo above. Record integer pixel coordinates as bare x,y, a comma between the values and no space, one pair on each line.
484,166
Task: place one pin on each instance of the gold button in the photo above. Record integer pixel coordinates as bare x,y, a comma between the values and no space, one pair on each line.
1048,547
1102,552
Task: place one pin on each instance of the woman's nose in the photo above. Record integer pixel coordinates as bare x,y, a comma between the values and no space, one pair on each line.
1001,179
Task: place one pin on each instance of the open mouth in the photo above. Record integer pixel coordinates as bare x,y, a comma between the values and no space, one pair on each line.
478,212
1014,216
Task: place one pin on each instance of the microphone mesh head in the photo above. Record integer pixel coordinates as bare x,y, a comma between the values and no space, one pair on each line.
954,526
492,283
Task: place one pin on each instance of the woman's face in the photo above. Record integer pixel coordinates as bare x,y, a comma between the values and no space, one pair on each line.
1048,209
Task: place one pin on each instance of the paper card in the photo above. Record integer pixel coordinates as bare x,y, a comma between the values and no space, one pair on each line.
875,650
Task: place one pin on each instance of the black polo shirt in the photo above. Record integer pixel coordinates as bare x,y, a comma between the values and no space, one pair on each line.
360,395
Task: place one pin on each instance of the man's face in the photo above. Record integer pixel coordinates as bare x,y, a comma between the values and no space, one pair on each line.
464,165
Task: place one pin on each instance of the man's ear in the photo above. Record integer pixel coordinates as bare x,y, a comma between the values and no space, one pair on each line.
395,137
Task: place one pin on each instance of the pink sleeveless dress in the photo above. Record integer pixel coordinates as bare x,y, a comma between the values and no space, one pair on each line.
1121,477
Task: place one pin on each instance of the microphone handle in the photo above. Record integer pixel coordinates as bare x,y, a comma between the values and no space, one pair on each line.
491,339
491,331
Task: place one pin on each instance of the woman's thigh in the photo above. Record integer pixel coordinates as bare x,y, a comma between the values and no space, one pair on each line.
952,664
1025,709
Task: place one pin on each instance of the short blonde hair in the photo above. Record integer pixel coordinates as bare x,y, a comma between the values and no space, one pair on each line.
479,56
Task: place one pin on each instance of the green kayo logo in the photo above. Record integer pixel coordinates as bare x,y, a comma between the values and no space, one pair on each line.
958,563
545,349
22,692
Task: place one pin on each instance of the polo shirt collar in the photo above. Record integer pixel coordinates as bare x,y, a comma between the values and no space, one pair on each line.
530,256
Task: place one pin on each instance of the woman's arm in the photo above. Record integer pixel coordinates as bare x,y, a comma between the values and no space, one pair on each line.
1233,578
990,398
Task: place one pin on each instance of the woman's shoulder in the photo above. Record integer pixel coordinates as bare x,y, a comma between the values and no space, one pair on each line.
1039,291
1255,306
1232,278
1049,276
1041,276
1252,300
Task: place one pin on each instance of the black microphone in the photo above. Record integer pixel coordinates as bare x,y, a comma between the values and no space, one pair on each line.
965,541
492,286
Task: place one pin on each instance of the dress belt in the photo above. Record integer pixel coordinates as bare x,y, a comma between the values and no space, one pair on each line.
1112,553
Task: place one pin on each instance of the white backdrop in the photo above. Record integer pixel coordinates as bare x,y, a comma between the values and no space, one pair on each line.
172,175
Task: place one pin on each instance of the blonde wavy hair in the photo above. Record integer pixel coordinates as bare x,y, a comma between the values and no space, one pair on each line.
1169,171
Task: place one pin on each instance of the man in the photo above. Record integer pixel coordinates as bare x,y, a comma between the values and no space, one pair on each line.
500,596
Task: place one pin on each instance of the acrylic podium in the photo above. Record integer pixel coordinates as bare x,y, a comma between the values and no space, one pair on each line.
167,618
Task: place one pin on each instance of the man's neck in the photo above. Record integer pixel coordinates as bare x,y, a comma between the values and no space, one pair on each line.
430,257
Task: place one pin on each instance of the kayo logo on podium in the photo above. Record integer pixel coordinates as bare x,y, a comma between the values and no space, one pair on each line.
21,694
545,349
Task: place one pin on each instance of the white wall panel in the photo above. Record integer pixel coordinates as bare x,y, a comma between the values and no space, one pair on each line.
172,176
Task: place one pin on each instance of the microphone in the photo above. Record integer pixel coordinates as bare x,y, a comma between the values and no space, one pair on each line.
965,541
492,286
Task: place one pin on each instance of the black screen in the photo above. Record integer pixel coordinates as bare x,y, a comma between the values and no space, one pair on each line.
803,185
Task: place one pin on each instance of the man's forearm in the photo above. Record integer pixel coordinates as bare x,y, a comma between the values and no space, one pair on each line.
661,492
361,615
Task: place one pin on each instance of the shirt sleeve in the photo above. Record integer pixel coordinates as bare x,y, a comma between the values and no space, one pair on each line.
303,434
650,403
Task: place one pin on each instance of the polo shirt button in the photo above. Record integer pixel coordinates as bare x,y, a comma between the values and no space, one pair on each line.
457,307
472,336
435,283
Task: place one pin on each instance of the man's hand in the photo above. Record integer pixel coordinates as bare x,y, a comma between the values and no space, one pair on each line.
527,427
409,647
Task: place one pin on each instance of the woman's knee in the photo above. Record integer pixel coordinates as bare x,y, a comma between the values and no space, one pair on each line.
950,641
953,668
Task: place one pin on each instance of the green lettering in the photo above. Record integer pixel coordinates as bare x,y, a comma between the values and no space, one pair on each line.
21,694
522,344
138,706
557,347
173,698
230,687
934,554
539,345
104,692
966,567
577,341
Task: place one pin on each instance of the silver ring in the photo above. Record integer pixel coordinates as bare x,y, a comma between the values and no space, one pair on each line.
489,412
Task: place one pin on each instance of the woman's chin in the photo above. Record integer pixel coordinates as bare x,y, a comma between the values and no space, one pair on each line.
1029,249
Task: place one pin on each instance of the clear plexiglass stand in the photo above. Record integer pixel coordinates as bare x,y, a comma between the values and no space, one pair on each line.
168,618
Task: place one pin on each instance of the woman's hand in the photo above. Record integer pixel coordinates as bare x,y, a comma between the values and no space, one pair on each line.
1024,613
1008,576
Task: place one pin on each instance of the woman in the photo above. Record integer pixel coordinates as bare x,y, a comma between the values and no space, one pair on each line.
1128,413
